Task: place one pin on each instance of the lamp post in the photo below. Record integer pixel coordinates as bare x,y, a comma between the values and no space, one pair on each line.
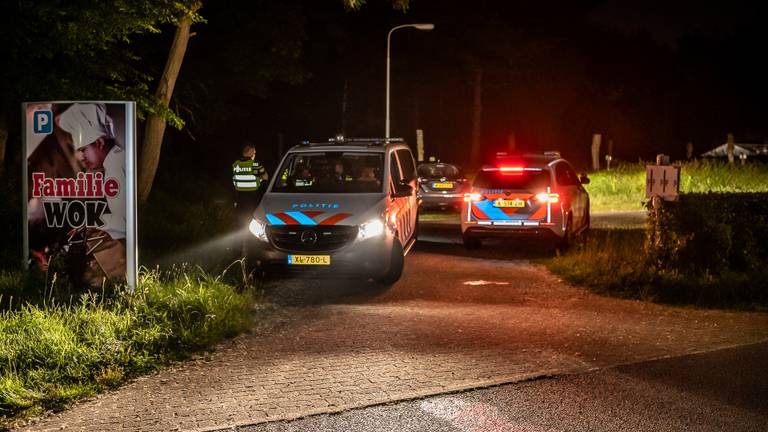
423,27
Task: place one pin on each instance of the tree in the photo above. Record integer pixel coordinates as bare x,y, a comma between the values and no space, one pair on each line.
155,124
79,50
149,156
93,56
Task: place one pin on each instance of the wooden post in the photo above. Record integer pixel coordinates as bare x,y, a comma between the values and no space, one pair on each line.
730,148
689,150
420,145
477,115
596,138
661,159
511,143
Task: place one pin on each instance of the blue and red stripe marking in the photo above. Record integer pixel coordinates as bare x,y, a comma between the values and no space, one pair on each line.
305,218
485,210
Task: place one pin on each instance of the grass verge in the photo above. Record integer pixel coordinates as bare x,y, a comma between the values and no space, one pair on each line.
623,188
612,262
52,354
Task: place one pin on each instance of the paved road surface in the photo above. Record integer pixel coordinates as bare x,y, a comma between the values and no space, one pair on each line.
723,390
457,320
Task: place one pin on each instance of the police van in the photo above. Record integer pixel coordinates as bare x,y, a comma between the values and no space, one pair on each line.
346,207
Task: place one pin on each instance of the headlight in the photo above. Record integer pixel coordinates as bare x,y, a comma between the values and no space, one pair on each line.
258,229
370,229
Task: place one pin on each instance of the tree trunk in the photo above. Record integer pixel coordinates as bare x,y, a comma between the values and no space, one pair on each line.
154,128
3,144
477,113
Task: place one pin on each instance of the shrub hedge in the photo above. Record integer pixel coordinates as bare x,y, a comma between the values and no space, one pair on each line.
712,252
711,233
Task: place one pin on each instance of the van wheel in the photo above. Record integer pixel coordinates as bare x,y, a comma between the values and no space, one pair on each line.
416,227
396,264
471,242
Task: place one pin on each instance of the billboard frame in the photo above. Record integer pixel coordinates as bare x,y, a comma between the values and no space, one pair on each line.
131,232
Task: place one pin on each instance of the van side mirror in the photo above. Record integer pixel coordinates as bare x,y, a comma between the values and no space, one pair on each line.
402,190
583,179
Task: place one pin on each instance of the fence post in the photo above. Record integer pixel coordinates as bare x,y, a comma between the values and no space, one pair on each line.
511,143
661,159
420,145
689,150
730,148
596,151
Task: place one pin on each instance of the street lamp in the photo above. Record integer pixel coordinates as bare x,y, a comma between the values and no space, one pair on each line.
423,27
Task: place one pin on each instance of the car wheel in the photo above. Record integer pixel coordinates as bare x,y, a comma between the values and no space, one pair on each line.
587,221
471,242
565,242
396,264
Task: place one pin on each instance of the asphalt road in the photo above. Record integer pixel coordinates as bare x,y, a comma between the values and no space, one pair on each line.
724,390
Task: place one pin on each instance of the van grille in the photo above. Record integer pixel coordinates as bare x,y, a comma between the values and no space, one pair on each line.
316,238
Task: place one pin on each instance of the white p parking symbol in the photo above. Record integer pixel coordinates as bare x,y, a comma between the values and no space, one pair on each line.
42,122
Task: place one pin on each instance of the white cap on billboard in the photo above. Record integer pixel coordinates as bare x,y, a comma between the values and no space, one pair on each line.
86,123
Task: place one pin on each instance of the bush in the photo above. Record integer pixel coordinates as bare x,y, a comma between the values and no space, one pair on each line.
51,354
607,261
712,233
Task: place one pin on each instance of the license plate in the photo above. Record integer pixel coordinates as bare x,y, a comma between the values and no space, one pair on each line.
516,203
309,260
446,185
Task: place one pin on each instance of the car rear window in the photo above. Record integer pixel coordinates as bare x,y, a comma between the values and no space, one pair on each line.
439,170
527,180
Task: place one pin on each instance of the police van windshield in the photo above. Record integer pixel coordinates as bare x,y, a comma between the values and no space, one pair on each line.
330,172
439,170
525,180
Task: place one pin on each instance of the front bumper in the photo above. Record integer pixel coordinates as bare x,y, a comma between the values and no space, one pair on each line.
360,258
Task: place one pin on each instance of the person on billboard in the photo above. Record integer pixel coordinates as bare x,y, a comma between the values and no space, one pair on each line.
249,179
90,131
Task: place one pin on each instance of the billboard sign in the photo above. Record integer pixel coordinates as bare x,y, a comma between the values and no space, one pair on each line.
80,193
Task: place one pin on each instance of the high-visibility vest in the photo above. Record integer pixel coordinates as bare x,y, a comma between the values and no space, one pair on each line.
246,174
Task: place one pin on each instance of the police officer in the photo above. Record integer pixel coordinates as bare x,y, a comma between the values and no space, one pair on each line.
249,178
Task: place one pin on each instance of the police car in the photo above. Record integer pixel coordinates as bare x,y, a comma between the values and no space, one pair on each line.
441,185
538,196
346,207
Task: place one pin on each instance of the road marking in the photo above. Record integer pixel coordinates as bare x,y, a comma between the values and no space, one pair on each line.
484,282
470,416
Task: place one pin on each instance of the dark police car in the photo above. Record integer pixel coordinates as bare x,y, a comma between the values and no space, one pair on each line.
441,185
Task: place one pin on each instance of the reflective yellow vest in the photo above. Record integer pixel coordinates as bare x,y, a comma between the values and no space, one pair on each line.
246,175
